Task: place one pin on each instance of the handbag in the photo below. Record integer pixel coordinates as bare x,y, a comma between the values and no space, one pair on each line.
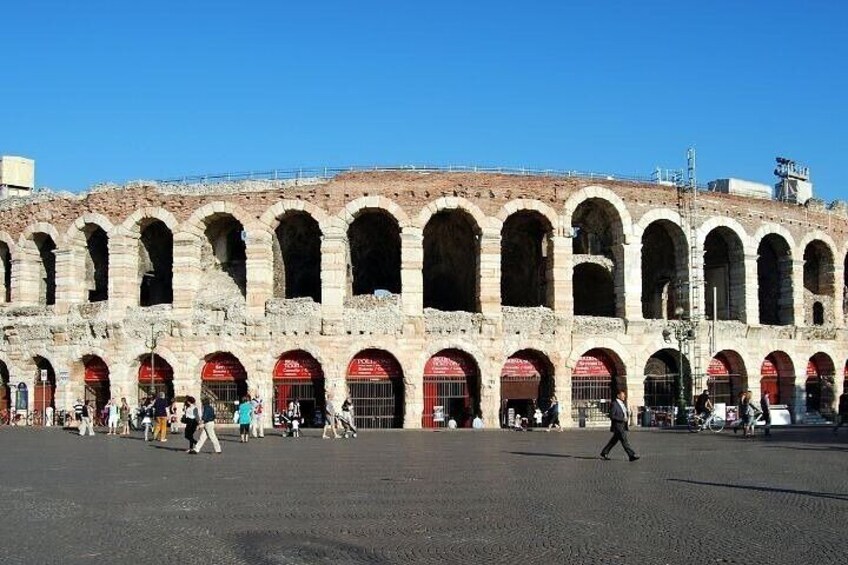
184,419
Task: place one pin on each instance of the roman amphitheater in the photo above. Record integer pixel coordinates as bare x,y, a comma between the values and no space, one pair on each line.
422,295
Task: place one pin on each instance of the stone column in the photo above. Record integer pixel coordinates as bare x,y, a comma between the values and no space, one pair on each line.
411,272
25,283
489,280
630,279
635,396
260,271
563,394
490,395
751,313
563,298
124,283
70,285
186,275
798,293
333,279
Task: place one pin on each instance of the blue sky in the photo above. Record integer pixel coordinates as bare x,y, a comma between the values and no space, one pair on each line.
112,91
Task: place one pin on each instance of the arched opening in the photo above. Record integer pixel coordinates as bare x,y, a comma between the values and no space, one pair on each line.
375,387
726,380
526,260
596,379
5,393
46,268
661,385
664,270
224,382
155,375
819,385
96,380
223,257
298,378
451,389
451,262
724,275
155,264
818,283
527,383
598,240
777,377
5,273
96,263
594,290
374,240
297,257
44,391
774,277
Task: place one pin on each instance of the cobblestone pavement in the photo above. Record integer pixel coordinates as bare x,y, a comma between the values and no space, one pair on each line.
426,497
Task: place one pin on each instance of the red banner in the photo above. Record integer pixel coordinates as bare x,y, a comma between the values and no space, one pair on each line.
594,364
450,363
96,371
297,365
718,367
374,364
164,372
223,367
523,367
769,368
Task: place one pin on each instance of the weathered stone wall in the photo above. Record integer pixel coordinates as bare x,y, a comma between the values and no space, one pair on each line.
259,326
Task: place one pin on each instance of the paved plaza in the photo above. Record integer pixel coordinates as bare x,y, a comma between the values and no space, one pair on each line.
426,497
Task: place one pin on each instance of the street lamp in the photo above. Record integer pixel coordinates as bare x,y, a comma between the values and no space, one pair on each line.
682,330
151,344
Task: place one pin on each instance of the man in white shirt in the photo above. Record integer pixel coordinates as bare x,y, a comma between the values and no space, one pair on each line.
619,427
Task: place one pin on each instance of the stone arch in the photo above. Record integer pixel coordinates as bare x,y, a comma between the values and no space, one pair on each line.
373,252
527,254
819,383
777,377
297,234
600,193
775,286
89,240
374,380
530,205
665,268
38,245
727,377
197,223
666,371
270,219
447,203
819,290
451,270
8,252
353,208
132,225
452,378
597,375
724,268
655,215
73,235
527,383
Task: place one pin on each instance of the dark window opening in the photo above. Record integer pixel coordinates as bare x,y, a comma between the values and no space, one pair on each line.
724,275
818,314
155,264
6,268
96,263
297,257
818,281
525,260
451,262
374,239
661,283
594,293
774,277
47,268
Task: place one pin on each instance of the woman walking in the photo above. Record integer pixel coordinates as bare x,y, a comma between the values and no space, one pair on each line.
245,413
124,417
190,419
207,430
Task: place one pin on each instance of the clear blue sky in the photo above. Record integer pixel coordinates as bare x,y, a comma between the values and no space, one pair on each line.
112,91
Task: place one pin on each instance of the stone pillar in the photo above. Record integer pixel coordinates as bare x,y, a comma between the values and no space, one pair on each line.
631,280
490,395
635,396
563,394
489,274
413,385
25,283
70,286
563,297
124,283
411,272
751,308
798,293
333,279
260,271
838,296
186,275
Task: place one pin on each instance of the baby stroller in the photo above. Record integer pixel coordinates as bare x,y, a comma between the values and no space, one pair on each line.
348,429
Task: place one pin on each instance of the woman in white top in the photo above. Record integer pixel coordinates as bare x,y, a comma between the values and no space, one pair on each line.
113,408
190,419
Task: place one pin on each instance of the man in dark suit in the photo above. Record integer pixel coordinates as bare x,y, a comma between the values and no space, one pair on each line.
619,427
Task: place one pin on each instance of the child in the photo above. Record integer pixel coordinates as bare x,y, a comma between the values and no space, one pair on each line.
295,427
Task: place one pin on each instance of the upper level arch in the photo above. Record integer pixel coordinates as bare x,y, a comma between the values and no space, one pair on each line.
527,254
448,203
530,205
141,218
355,207
622,217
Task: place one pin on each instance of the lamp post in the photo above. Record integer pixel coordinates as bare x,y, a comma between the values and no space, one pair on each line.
151,344
682,330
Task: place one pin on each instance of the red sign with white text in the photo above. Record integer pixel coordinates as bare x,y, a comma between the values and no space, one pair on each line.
224,367
96,371
374,364
594,365
163,372
298,365
450,363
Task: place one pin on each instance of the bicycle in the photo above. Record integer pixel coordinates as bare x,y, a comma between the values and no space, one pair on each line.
713,422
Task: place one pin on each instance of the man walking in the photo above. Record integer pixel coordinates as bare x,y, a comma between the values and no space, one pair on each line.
207,429
765,408
619,427
87,418
843,411
160,412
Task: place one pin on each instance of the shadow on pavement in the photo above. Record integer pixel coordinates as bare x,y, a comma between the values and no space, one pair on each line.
555,455
830,495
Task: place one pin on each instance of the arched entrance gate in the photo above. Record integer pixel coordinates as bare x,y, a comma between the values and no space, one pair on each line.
596,379
155,375
526,383
96,382
725,382
224,382
819,385
451,389
45,387
777,378
375,386
299,376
